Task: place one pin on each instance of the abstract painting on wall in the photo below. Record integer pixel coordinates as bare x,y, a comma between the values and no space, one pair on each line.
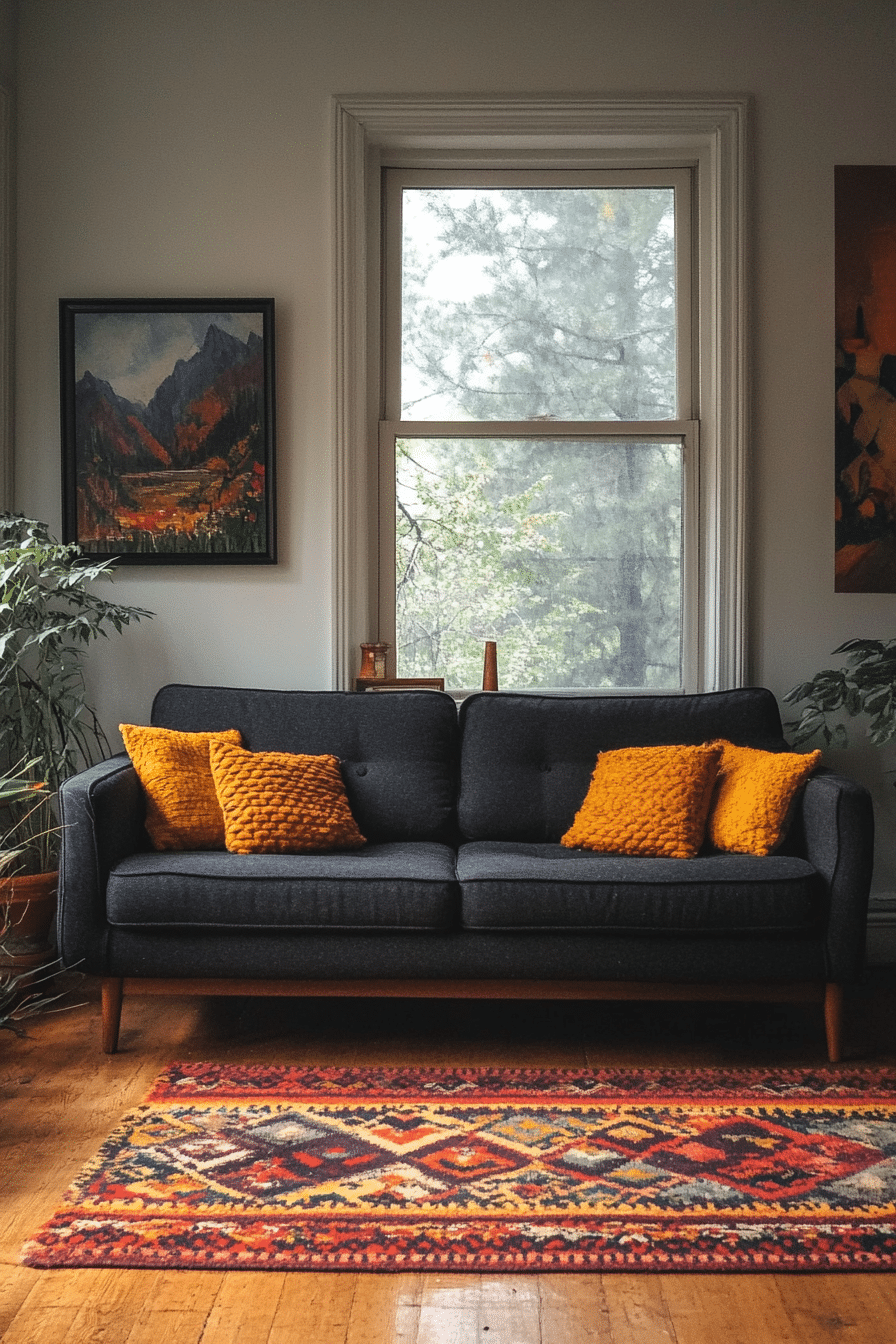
865,315
168,429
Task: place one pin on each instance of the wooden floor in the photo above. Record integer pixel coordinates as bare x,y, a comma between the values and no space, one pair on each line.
60,1097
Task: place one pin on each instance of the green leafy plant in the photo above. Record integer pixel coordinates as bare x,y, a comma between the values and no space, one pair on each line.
15,788
867,685
49,614
26,992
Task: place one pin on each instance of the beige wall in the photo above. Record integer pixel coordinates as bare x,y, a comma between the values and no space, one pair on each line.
7,42
184,149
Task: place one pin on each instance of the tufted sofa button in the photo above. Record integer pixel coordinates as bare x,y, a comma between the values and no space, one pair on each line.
545,769
361,770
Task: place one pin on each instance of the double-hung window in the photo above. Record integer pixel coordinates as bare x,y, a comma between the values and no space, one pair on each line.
541,390
539,452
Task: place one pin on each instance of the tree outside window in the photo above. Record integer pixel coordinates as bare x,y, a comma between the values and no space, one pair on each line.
533,321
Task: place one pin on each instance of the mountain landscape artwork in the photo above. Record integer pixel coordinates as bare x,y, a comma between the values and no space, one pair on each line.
168,435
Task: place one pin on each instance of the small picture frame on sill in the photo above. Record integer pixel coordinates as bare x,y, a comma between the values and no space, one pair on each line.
400,684
168,429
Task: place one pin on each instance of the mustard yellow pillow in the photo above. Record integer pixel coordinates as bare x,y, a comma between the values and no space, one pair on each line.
754,797
182,808
647,800
276,802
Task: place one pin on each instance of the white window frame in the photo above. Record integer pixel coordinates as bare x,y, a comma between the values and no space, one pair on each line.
707,135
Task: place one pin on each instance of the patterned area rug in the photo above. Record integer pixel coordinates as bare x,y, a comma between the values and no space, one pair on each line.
250,1167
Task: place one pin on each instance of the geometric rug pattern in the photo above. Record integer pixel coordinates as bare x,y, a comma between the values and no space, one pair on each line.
509,1170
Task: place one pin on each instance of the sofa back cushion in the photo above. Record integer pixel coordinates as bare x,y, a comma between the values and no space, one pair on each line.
526,760
397,750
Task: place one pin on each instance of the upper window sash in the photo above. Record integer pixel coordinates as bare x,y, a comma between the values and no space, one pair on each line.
397,180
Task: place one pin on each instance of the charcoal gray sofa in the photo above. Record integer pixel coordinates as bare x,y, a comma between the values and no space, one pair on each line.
463,888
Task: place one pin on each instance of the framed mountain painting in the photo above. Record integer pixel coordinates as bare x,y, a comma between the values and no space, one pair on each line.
168,429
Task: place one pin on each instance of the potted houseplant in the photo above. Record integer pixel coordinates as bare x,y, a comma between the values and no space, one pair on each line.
49,614
866,685
27,974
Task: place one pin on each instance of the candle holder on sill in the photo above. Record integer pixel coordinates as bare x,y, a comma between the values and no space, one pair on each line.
373,662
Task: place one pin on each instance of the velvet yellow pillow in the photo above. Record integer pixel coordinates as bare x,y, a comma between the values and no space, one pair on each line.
647,800
276,802
182,808
754,797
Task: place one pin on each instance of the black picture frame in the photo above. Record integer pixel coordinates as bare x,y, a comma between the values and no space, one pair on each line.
168,430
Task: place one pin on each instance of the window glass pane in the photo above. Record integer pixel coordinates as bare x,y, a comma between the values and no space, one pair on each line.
538,303
567,552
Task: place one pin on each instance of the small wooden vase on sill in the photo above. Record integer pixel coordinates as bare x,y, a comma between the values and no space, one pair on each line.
490,666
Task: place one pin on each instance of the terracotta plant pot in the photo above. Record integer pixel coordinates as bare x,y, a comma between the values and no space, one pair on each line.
29,902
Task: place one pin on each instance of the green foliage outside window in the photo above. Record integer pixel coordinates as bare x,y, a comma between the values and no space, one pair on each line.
566,551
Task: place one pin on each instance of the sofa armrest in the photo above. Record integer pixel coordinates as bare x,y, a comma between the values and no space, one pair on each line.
102,813
836,821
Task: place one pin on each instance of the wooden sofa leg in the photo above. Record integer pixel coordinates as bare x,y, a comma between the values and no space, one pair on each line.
113,992
833,1021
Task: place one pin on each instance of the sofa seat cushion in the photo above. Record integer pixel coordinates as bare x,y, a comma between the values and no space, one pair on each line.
402,885
508,885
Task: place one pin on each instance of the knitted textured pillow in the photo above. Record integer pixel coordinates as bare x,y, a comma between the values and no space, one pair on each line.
182,808
754,797
647,800
276,802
